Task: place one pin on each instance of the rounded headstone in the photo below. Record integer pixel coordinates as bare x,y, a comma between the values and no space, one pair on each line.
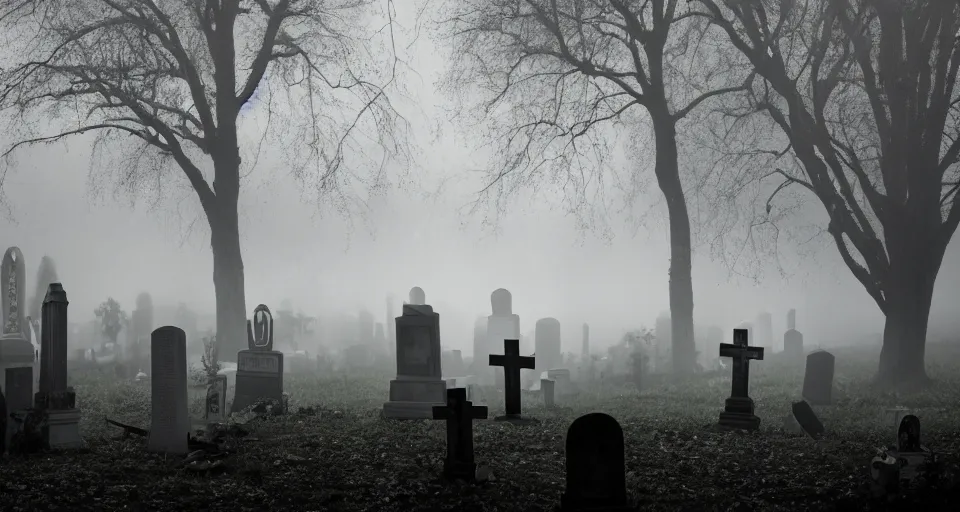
417,297
501,301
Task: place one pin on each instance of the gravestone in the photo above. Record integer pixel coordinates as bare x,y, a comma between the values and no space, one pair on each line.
818,378
807,419
546,344
512,362
215,409
792,338
54,396
142,325
480,352
596,470
547,388
169,421
564,383
419,385
259,367
15,349
18,390
764,331
459,413
501,325
452,363
738,409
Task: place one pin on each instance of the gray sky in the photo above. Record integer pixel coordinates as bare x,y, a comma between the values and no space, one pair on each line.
104,247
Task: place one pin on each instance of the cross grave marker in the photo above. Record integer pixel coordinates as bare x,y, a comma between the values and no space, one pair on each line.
738,409
512,362
459,413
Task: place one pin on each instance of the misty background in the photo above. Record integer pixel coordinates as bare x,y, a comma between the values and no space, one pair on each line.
420,232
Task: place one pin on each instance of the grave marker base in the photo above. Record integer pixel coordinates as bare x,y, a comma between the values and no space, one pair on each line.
459,470
738,413
63,429
570,505
415,399
517,419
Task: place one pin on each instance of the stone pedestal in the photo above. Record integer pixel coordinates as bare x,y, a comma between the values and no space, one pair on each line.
414,398
738,413
63,429
16,351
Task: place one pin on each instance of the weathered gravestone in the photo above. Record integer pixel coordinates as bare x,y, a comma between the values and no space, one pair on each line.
818,378
459,413
564,383
792,338
547,388
547,344
259,368
596,472
512,362
908,460
480,352
215,409
169,420
54,397
501,325
452,363
419,385
807,419
738,409
18,389
15,349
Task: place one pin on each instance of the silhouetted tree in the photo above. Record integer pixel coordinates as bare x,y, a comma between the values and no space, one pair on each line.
112,318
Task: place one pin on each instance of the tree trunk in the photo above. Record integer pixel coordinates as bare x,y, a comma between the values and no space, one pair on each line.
228,279
908,293
681,276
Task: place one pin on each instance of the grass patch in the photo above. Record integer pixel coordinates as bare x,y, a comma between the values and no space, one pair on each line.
348,458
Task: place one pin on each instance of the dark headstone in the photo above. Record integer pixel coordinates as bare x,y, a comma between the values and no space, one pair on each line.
818,378
259,368
908,435
807,419
18,389
547,387
596,478
738,409
512,362
459,413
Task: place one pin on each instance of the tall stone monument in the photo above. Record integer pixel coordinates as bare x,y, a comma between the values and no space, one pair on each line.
259,368
501,325
547,345
419,386
15,349
55,397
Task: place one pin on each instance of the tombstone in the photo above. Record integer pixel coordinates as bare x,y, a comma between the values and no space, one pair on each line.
807,419
596,472
54,396
259,368
564,384
169,420
419,385
215,410
459,413
417,297
501,325
480,352
764,331
141,321
15,349
547,388
391,332
512,362
738,409
792,338
18,391
818,378
547,345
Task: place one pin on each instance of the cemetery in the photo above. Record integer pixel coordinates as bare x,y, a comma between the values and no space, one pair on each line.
286,281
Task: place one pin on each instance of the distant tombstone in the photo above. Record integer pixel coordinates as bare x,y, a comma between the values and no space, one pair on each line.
792,338
480,351
512,362
547,388
791,319
807,419
596,471
259,368
459,413
564,383
54,395
169,421
216,403
15,349
417,297
419,385
818,378
547,344
18,390
503,324
738,409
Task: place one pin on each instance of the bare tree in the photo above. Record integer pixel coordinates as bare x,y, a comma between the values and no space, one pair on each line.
865,92
552,72
167,82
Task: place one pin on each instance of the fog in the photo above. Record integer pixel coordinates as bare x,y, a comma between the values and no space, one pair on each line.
419,236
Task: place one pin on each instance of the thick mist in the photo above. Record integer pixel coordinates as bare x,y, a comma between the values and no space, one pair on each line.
106,244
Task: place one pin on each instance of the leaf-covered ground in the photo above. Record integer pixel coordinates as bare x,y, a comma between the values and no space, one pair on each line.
345,457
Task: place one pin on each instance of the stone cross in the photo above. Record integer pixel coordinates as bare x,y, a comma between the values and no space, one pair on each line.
741,354
459,413
512,362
